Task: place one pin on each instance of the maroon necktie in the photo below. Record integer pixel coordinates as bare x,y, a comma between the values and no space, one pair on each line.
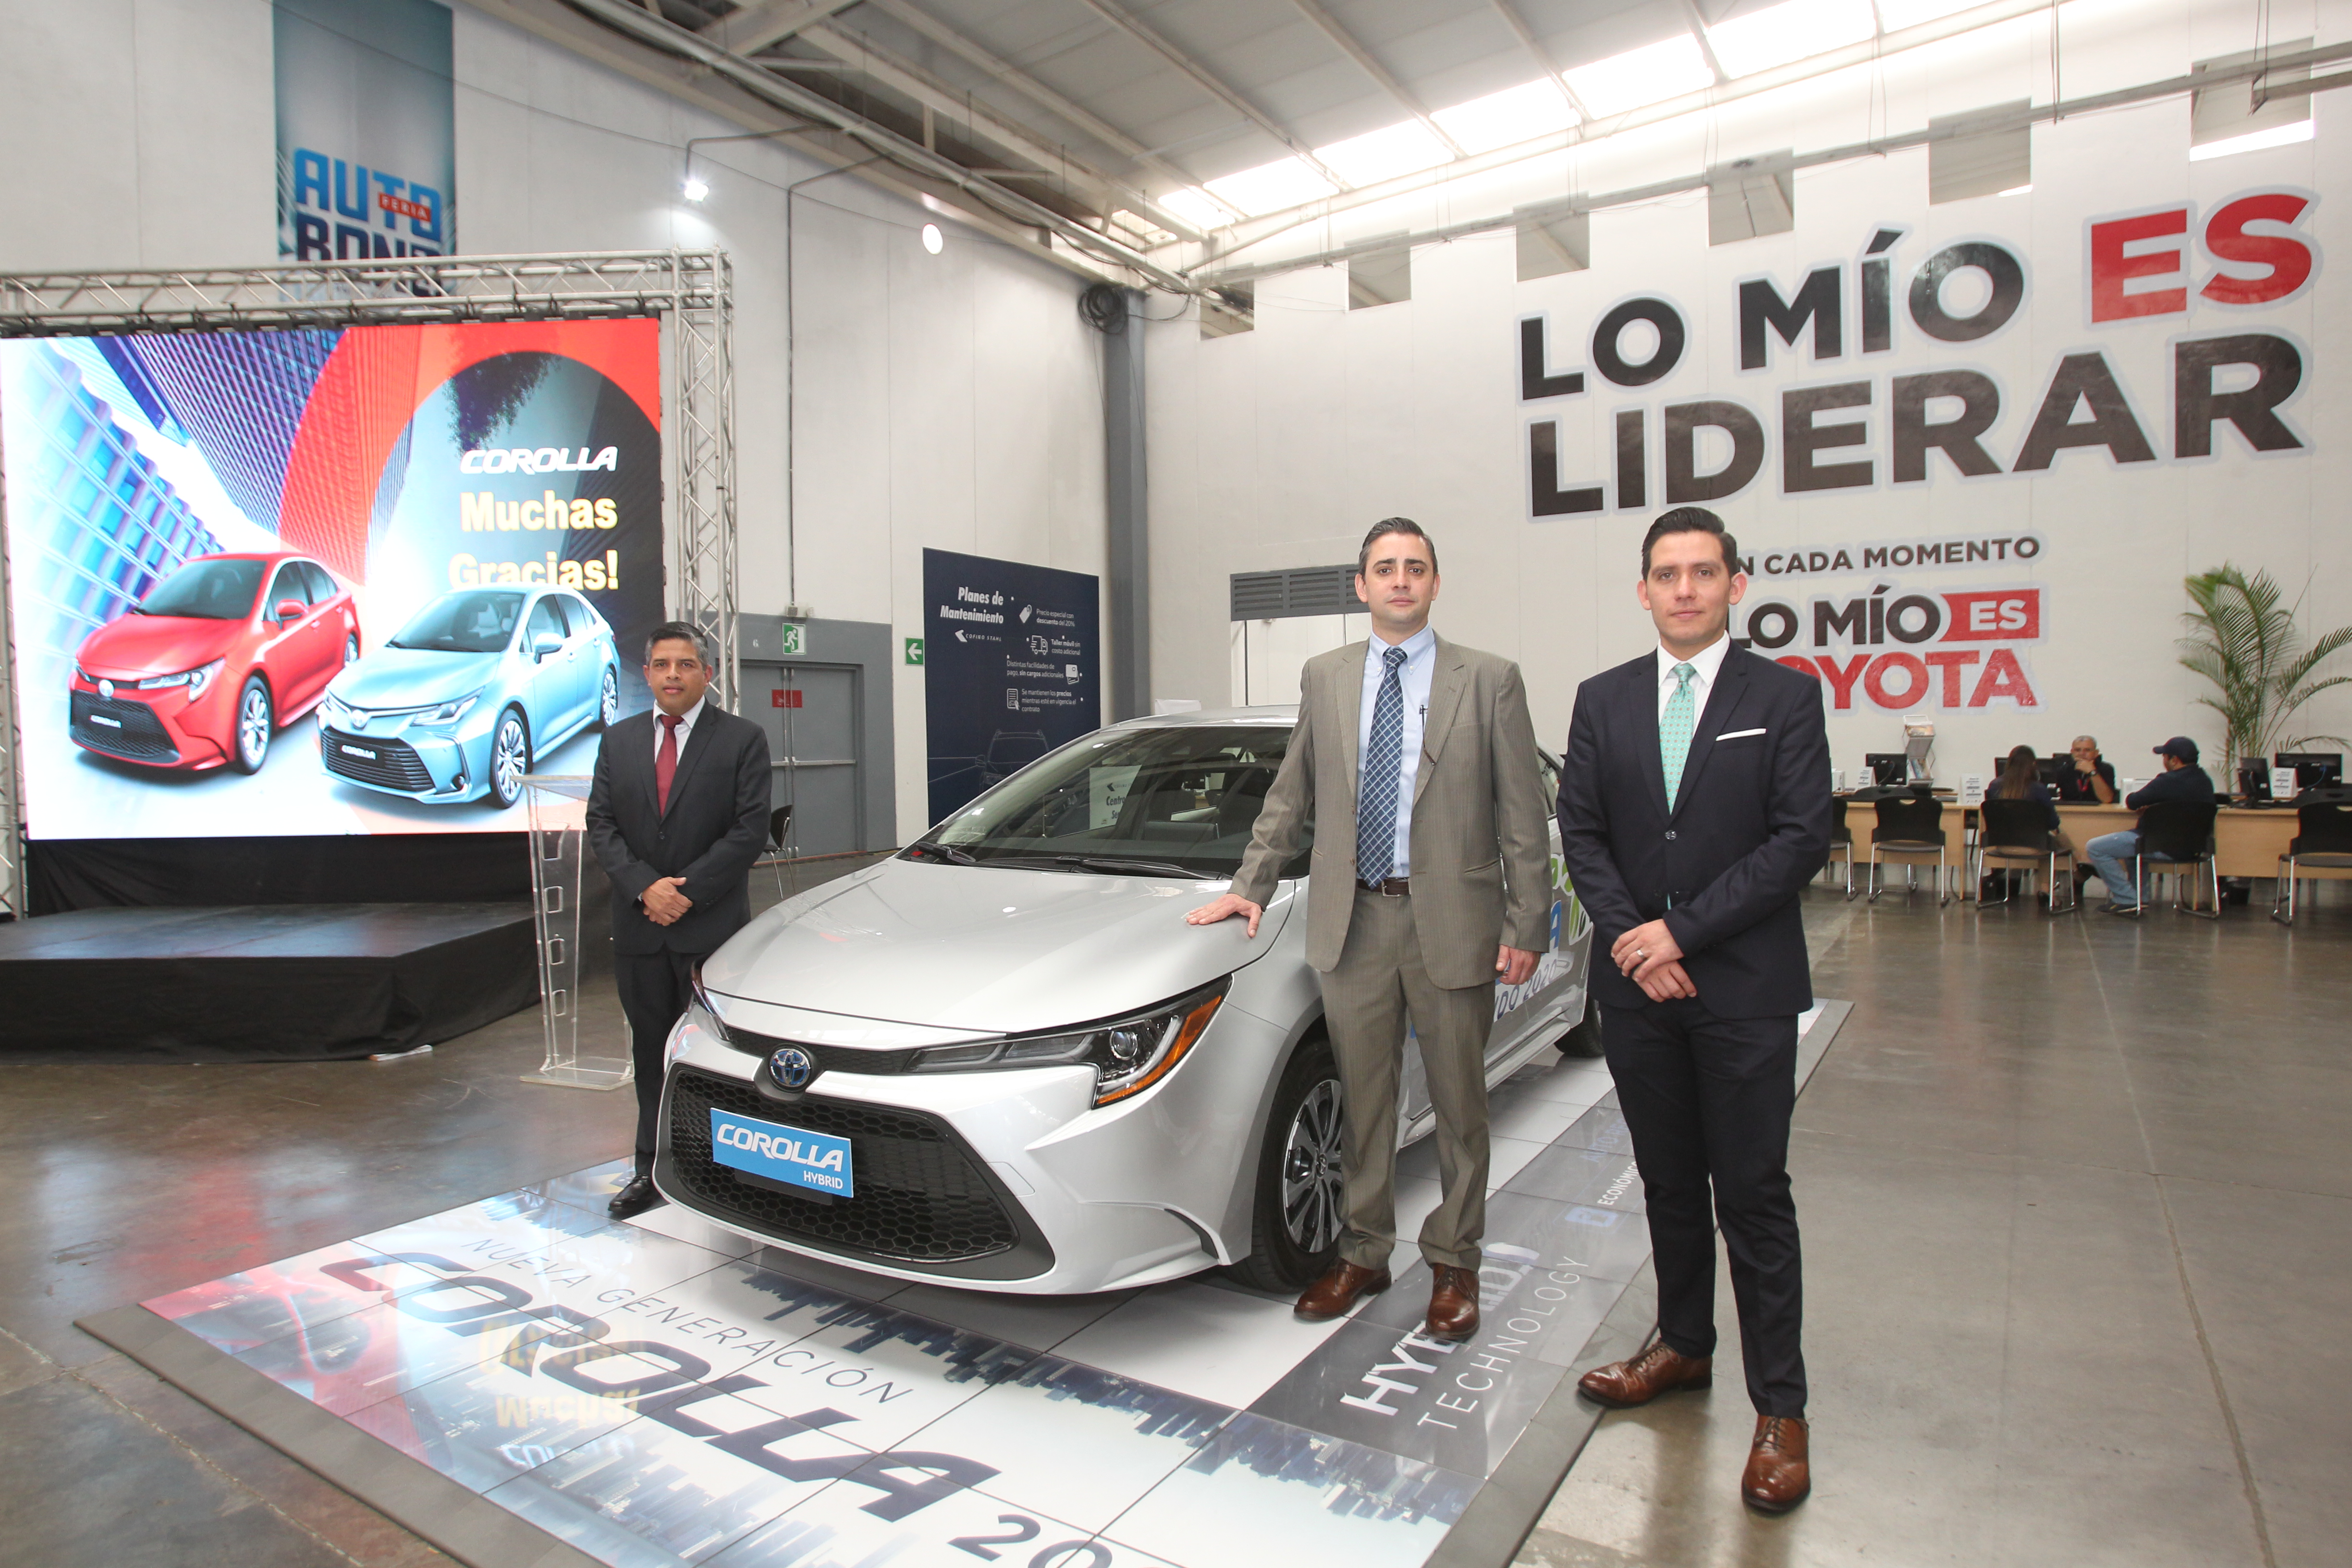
666,760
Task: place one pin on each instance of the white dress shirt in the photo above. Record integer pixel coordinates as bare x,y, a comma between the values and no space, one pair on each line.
1707,662
1420,666
685,728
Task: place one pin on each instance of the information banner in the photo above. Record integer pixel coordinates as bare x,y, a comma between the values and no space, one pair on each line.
367,141
1012,668
326,582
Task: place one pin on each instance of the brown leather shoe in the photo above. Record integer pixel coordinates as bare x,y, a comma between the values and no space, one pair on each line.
1452,1304
1336,1294
1657,1368
1779,1476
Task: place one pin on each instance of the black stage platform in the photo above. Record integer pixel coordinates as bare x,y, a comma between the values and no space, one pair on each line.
259,982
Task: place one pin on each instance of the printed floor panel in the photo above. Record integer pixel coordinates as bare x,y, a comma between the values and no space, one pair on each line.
665,1392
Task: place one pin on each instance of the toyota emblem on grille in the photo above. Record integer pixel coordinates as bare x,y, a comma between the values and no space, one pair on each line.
792,1066
106,689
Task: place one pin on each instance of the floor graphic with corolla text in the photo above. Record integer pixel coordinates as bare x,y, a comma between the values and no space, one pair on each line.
663,1391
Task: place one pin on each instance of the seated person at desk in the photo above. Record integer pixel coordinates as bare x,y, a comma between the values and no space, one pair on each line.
2093,782
2181,779
2021,779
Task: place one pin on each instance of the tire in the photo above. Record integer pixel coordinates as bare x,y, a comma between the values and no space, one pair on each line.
256,721
1584,1040
1296,1218
608,700
510,758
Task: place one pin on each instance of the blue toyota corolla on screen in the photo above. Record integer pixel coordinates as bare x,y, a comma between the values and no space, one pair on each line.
454,705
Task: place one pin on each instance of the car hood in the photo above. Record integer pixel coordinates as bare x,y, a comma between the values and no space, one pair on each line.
983,948
137,646
412,677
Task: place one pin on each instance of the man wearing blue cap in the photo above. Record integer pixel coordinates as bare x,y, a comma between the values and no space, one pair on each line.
2181,780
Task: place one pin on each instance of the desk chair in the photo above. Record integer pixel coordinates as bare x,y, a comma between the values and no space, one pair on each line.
2179,835
780,831
1910,825
1840,842
2323,836
2015,832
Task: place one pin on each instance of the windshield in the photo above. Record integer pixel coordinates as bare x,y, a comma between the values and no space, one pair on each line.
206,590
463,623
1184,796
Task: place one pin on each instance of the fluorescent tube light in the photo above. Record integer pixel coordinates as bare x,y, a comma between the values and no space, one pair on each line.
1270,188
1796,30
1504,119
1651,74
2253,141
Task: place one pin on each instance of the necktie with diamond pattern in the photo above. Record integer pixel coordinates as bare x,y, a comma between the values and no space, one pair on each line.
1674,727
1376,790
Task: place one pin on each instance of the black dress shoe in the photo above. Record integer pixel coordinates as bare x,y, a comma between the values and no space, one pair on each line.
635,1199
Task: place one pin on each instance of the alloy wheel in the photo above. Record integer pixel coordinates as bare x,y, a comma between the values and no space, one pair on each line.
1311,1191
253,725
608,703
508,758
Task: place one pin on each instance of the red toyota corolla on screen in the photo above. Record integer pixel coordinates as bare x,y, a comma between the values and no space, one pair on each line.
206,668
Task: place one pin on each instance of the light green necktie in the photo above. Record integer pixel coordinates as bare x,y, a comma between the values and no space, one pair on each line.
1674,727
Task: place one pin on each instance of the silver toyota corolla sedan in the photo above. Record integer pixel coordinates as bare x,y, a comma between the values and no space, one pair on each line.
1001,1059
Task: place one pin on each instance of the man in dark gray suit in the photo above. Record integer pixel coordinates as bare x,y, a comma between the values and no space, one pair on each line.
1416,759
678,815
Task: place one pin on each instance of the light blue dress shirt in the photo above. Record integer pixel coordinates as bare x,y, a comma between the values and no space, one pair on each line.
1420,666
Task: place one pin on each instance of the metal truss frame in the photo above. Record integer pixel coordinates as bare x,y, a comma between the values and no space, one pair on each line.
691,291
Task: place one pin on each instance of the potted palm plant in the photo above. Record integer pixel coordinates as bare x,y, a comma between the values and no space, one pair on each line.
2251,647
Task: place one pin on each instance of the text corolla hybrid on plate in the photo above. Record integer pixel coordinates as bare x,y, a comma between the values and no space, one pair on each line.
1001,1059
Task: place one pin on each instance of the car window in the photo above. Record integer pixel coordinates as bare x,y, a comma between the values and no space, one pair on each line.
287,585
544,617
476,621
323,587
577,612
1184,795
205,591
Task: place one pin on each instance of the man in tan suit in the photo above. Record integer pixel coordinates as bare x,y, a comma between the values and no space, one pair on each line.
1415,761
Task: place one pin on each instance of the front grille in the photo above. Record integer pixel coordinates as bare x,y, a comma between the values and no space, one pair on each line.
828,1058
135,731
922,1198
396,764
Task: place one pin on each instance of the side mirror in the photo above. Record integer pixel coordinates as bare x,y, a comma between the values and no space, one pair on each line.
289,610
544,644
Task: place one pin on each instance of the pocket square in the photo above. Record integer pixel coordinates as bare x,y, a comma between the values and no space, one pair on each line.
1739,734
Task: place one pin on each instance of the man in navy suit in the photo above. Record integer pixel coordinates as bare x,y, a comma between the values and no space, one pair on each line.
676,816
1694,806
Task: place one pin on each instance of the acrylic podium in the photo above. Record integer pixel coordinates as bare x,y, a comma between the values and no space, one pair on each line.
558,804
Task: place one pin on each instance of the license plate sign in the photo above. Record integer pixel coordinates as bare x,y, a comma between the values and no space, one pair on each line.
793,1155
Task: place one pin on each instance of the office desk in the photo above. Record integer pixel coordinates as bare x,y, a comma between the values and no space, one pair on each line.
2247,842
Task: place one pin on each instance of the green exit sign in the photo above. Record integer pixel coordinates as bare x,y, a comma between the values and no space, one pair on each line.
795,639
914,650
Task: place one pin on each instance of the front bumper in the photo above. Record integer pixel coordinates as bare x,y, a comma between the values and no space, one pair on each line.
421,765
1001,1181
155,729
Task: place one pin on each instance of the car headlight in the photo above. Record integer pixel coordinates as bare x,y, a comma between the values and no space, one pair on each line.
698,1012
1128,1054
196,680
451,711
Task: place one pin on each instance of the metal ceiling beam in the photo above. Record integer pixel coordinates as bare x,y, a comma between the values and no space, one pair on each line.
1540,55
1697,18
1990,123
1215,88
1045,97
755,26
1349,46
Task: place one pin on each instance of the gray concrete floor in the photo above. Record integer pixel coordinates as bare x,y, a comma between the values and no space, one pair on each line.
2076,1196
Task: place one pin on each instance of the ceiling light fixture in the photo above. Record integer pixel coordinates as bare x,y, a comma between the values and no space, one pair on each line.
1648,75
1270,188
2253,141
933,240
694,189
1781,35
1508,118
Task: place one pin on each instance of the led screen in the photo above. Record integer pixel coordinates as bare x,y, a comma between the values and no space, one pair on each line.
357,581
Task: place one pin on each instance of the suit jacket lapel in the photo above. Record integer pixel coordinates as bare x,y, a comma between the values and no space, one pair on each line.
698,741
1722,699
635,740
1642,693
1448,683
1348,691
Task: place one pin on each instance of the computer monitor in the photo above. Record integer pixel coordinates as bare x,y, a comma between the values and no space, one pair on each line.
2055,771
2253,780
1887,767
2312,769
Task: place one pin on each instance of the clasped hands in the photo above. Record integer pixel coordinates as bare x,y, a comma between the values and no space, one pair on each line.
1649,956
1513,966
665,903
